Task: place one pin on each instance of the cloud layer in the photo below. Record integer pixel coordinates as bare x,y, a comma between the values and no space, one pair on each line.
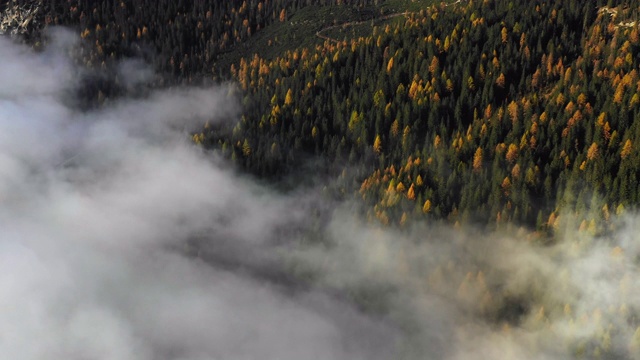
122,240
96,208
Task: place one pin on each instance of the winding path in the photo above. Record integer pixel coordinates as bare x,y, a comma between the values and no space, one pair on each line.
353,23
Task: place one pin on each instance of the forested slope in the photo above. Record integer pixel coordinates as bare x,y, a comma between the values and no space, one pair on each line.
516,116
486,111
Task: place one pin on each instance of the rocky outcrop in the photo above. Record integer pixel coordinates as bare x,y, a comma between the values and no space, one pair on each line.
20,19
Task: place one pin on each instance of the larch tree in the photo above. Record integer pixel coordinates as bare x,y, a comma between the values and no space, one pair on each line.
426,208
477,160
288,99
626,149
377,145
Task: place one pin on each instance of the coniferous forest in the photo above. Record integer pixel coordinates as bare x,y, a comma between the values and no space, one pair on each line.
484,111
511,115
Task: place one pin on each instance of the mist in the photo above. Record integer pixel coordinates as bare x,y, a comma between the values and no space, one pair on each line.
123,240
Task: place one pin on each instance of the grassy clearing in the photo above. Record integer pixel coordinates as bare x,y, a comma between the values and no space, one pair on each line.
394,6
365,29
300,29
389,7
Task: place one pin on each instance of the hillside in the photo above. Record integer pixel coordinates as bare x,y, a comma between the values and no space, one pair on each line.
472,112
469,111
490,151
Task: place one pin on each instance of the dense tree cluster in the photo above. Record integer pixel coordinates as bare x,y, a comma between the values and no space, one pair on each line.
477,111
181,37
496,112
489,111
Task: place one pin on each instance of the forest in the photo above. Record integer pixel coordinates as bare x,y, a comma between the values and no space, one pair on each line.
516,116
474,111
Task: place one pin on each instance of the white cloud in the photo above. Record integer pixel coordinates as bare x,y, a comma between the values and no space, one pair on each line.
97,209
93,207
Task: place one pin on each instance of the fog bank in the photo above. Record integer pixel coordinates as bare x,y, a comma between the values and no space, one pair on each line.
123,240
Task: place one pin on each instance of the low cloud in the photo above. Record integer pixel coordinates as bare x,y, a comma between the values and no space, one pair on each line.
471,294
122,240
96,210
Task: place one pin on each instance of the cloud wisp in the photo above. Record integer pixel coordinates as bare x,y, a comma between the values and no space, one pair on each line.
122,240
95,208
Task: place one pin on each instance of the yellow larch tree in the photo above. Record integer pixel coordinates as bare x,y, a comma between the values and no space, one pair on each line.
500,81
390,65
626,149
512,153
477,160
288,99
426,208
411,194
377,145
592,153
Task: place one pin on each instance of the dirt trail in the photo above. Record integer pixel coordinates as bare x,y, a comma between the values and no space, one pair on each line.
320,34
353,23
